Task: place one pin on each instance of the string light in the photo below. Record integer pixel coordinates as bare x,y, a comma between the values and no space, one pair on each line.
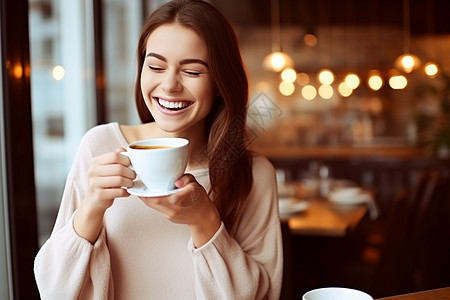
286,88
352,80
344,90
396,80
289,75
375,81
431,69
326,76
309,92
326,91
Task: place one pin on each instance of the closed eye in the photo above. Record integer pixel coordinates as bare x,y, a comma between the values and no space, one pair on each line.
155,68
192,73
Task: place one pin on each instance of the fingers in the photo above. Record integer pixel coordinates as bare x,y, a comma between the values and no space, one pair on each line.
189,196
107,194
111,181
108,174
112,158
114,170
184,180
112,163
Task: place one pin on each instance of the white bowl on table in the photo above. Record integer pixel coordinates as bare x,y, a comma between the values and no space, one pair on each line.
348,196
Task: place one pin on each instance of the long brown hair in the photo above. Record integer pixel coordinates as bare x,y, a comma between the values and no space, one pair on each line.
229,159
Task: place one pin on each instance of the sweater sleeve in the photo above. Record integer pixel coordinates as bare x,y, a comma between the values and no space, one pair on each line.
250,265
67,266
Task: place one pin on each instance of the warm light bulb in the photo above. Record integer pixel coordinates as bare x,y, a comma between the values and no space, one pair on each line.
289,75
398,82
326,77
375,81
286,88
277,61
344,90
352,81
407,62
326,91
431,69
309,92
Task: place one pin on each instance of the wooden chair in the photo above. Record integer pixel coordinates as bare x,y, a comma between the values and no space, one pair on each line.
416,229
391,272
429,245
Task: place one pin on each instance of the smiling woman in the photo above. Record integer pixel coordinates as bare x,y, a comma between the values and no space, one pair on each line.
226,243
179,78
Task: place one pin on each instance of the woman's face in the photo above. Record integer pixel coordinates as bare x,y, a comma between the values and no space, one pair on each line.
175,80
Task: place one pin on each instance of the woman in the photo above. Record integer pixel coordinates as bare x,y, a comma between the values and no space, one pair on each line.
219,237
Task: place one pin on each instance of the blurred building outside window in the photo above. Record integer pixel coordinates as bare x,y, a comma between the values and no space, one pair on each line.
63,85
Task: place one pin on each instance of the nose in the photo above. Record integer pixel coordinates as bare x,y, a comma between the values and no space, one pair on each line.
171,82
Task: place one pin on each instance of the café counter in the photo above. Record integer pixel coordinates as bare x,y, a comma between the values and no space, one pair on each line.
341,152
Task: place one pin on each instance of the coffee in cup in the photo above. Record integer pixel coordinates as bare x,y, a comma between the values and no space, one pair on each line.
159,162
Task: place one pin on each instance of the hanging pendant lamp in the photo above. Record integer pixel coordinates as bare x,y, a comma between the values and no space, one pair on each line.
407,62
276,60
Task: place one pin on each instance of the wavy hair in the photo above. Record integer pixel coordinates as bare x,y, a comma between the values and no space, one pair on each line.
229,158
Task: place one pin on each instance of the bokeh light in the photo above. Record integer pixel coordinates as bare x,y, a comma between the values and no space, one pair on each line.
286,88
309,92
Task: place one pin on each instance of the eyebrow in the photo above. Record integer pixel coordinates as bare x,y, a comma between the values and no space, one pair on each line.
182,62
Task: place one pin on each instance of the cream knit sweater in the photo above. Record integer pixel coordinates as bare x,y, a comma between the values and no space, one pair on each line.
141,255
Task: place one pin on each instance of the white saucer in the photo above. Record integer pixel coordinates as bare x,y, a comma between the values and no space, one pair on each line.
140,190
291,205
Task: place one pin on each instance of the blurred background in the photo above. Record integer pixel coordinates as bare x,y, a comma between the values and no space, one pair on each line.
332,38
362,87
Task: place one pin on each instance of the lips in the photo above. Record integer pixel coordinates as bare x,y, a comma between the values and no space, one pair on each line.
173,105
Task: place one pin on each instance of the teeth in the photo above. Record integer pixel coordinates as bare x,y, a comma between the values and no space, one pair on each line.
172,104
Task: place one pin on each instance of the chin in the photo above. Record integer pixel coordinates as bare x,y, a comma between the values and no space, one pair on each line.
172,128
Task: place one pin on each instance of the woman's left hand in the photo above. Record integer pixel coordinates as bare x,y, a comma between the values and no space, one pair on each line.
190,206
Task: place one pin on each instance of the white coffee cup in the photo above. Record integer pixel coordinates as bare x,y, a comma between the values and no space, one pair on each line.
336,293
159,162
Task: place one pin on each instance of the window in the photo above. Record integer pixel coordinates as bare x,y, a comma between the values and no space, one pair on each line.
63,77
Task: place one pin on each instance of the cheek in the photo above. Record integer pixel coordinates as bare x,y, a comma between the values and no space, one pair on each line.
208,93
147,85
208,98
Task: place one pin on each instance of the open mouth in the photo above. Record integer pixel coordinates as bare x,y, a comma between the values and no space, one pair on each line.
173,105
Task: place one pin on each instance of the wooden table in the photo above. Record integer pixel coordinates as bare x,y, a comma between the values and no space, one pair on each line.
322,218
438,294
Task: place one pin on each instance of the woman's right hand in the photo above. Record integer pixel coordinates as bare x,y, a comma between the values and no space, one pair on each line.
107,176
